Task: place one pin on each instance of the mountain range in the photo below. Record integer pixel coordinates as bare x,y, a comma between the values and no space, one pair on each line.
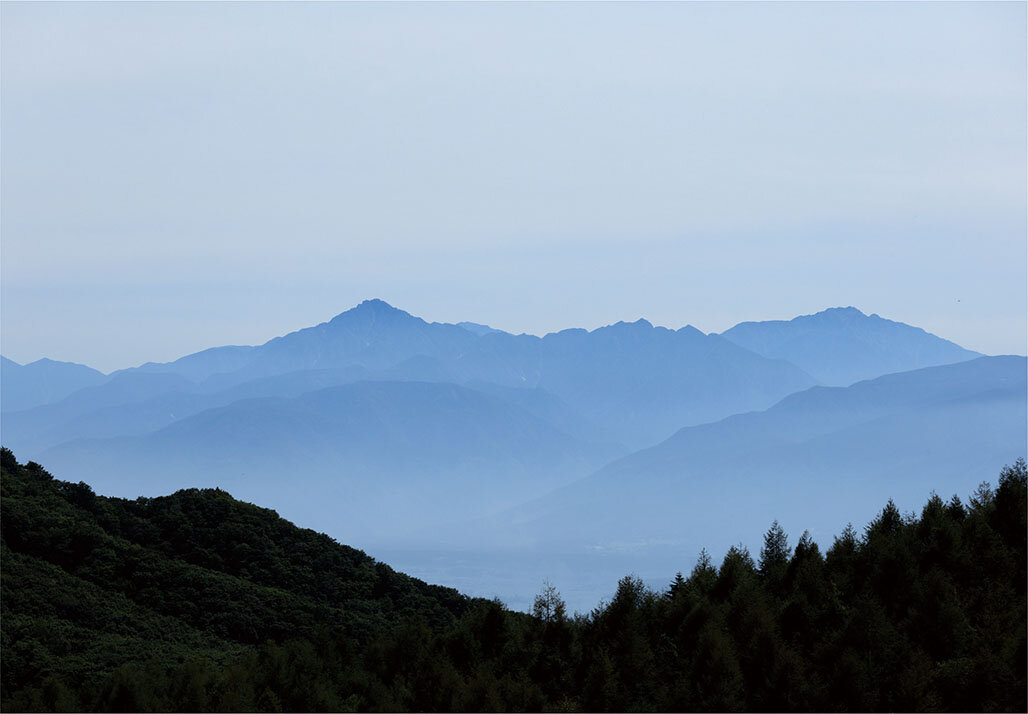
832,446
356,459
381,428
636,383
815,459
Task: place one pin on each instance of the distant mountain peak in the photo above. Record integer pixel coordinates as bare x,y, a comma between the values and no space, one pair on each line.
42,382
641,322
842,345
374,308
829,314
849,310
376,305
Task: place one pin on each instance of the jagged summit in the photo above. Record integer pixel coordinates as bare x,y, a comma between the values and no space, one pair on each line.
374,304
641,322
841,313
374,309
848,310
829,314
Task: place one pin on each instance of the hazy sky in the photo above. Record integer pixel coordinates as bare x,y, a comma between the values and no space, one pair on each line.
177,176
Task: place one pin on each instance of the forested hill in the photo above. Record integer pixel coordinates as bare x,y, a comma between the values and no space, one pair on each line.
90,583
198,602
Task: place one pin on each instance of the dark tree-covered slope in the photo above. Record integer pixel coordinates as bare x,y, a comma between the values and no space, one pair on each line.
90,583
197,602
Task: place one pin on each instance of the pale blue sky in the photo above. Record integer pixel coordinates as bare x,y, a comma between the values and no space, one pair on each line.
176,176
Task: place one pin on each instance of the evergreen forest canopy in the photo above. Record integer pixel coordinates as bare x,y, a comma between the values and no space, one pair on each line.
198,602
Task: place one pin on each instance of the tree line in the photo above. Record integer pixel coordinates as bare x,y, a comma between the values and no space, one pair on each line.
198,602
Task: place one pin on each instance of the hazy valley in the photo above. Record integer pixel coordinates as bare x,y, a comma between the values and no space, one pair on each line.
490,461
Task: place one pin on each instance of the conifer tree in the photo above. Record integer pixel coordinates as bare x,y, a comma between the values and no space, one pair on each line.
775,552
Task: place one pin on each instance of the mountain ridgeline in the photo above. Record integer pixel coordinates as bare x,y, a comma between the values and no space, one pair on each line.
199,602
636,382
413,450
842,448
842,345
639,381
44,381
580,452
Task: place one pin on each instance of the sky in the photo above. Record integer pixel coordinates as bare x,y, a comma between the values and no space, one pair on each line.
179,176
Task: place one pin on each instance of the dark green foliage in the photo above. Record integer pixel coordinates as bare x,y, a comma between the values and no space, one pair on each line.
775,552
197,602
99,594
